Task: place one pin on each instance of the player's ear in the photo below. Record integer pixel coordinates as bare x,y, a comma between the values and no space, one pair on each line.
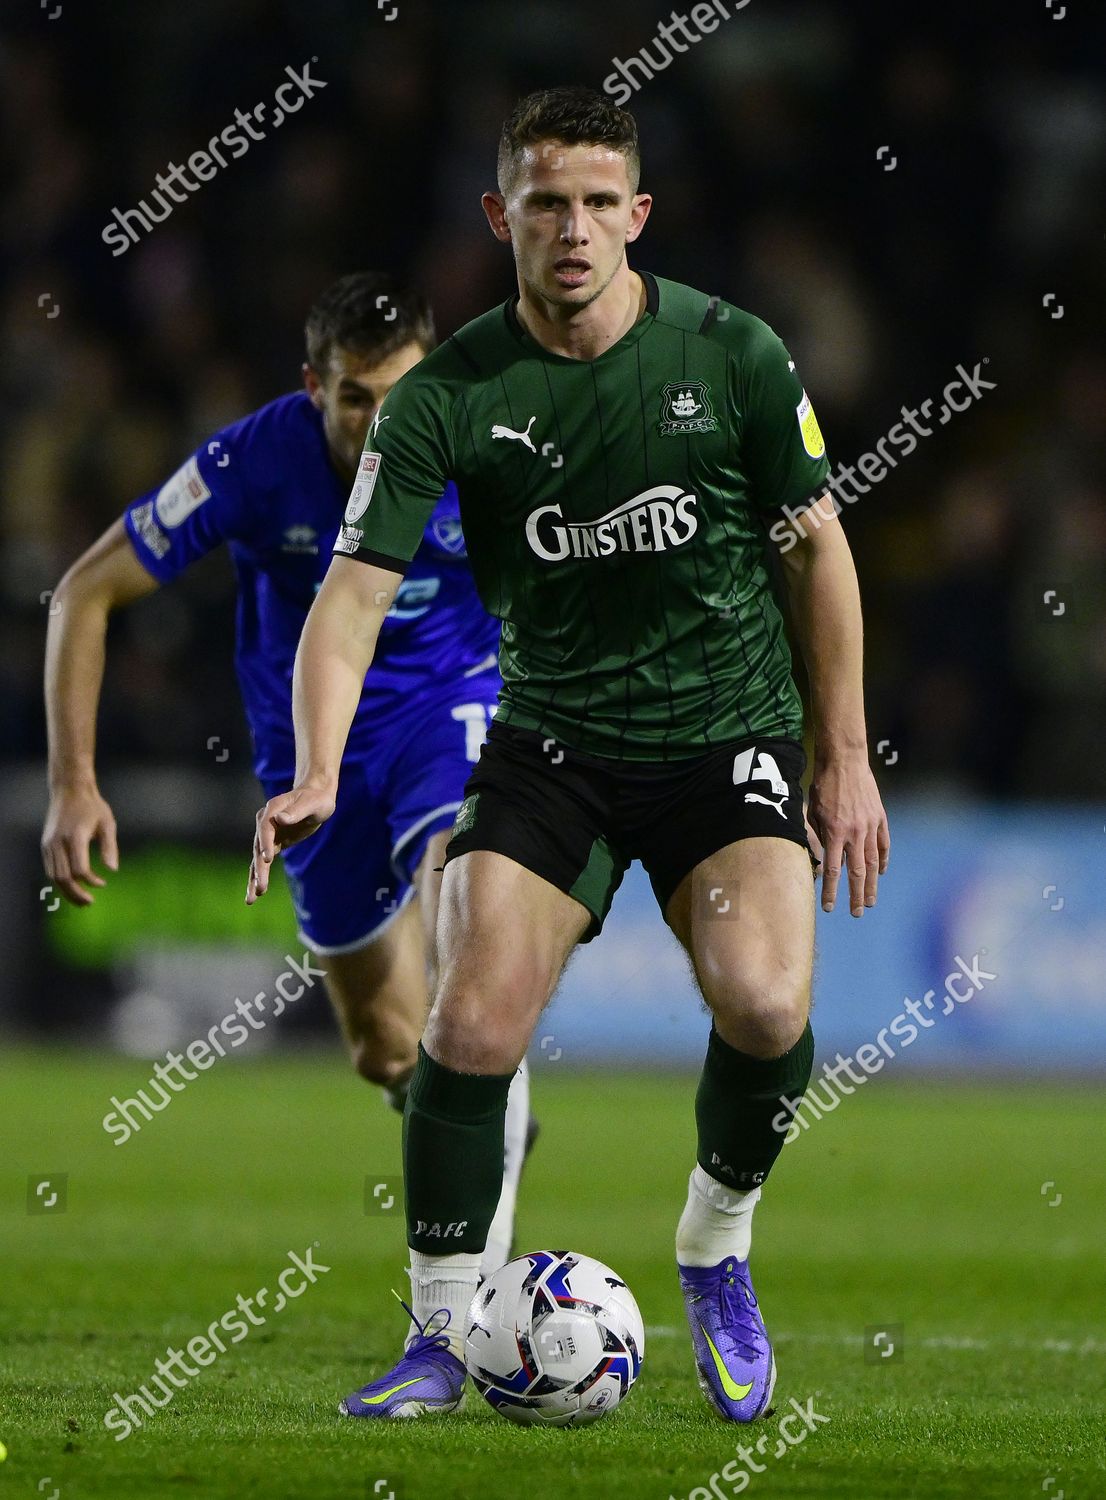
639,212
495,208
313,386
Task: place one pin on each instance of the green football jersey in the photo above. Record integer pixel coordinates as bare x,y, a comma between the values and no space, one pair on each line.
615,513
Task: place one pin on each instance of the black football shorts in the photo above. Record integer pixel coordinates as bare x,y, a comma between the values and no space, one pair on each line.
578,820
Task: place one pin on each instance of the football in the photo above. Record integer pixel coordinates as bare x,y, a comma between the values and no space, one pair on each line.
554,1339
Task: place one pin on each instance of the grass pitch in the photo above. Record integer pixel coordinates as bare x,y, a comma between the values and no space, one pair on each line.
914,1205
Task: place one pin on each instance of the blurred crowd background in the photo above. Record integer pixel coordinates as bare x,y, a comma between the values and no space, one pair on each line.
760,147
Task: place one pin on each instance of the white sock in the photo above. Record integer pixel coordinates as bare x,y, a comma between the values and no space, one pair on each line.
716,1222
444,1281
497,1251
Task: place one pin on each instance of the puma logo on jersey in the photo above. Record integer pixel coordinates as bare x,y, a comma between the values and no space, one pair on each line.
654,521
499,431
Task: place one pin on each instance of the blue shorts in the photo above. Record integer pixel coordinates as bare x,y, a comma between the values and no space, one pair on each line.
351,878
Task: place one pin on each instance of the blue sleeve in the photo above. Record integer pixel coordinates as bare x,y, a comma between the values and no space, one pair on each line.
202,505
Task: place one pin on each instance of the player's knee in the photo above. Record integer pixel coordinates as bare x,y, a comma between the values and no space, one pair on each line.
774,1030
383,1044
379,1064
470,1032
764,1020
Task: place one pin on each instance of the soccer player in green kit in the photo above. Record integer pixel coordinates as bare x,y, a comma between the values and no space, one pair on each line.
620,444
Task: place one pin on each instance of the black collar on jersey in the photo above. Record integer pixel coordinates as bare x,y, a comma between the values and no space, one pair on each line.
652,305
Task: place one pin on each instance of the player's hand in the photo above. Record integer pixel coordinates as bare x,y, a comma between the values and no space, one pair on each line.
77,818
284,820
846,813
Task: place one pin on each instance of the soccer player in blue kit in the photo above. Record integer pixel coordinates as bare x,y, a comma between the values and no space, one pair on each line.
273,487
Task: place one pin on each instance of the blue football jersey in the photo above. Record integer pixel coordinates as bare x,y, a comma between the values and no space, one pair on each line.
266,487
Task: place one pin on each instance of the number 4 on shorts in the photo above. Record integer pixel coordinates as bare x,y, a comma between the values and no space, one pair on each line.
766,769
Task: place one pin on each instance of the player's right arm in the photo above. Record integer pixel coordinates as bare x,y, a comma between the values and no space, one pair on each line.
103,579
335,651
403,471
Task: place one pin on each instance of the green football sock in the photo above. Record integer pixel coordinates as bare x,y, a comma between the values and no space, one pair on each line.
452,1156
738,1099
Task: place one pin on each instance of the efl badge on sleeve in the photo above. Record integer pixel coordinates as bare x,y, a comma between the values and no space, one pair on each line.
180,495
362,491
813,441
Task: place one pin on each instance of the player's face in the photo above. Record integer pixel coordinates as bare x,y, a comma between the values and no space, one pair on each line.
349,393
568,216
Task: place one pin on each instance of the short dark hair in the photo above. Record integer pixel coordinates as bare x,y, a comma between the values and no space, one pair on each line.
369,313
573,115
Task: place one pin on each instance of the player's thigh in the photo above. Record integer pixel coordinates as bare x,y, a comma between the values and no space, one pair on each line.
504,936
530,872
745,916
381,996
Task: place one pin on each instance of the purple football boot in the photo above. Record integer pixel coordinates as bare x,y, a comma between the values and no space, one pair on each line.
428,1378
737,1370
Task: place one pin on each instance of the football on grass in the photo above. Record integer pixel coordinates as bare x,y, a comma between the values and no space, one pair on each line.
554,1339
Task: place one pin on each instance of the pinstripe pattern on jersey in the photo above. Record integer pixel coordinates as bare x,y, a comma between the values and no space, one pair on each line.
624,634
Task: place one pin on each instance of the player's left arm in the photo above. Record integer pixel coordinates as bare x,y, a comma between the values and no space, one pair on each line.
844,808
